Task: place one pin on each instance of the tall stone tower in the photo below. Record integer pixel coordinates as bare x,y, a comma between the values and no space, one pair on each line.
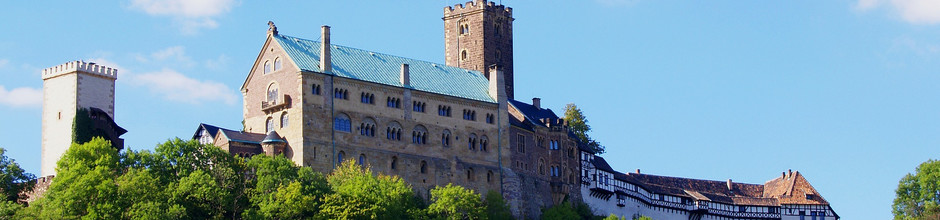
67,88
478,35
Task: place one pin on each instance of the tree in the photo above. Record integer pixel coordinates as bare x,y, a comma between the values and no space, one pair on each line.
84,186
917,196
496,207
282,190
455,203
13,179
357,194
612,217
578,124
560,211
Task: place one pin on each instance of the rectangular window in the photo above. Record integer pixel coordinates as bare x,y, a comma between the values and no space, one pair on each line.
521,143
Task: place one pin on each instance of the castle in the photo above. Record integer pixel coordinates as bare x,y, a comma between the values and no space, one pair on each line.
299,101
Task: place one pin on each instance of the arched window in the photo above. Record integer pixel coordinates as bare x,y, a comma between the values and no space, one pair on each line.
393,131
272,93
463,55
445,138
342,123
424,167
267,67
489,176
277,64
419,135
339,157
484,142
269,125
362,160
284,120
367,127
472,142
394,162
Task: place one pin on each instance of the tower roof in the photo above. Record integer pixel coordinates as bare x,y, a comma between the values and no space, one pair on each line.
272,138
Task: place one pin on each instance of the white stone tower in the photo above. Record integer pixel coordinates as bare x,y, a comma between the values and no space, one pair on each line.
65,89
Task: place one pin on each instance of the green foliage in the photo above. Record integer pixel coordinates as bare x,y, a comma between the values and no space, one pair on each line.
82,127
644,218
8,209
13,179
496,207
281,190
357,194
455,203
612,217
917,194
578,124
560,212
84,186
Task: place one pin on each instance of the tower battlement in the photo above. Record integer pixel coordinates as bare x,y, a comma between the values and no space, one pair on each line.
79,66
473,6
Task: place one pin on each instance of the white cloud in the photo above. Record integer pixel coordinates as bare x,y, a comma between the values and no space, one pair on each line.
21,97
919,11
191,15
912,11
175,86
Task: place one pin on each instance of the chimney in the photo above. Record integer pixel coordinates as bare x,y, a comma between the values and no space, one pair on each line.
326,64
789,173
637,171
730,185
497,84
537,102
783,175
405,77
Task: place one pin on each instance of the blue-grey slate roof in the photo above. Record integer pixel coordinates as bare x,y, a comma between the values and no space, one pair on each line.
385,69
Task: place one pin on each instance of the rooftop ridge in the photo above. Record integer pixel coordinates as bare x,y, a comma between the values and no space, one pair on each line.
716,181
288,37
475,5
79,66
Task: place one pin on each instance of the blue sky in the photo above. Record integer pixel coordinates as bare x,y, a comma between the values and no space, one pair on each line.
844,91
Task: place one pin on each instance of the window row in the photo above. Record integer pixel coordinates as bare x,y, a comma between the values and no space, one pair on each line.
341,93
392,102
393,164
490,118
367,98
393,131
469,115
471,175
269,123
418,106
443,110
277,65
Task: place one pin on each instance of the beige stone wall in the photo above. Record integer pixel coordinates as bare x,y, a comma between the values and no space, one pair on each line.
58,111
288,81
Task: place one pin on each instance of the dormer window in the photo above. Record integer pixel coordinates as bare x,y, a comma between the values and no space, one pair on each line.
810,196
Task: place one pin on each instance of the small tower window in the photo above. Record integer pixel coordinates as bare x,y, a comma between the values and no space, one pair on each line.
362,160
463,55
277,64
339,157
464,28
394,162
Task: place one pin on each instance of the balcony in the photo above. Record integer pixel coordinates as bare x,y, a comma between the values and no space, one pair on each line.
275,105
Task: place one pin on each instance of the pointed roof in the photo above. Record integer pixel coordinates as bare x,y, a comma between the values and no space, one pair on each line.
272,137
793,188
211,129
385,69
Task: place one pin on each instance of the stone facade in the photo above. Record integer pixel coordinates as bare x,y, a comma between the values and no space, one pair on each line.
478,35
544,159
312,105
66,88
